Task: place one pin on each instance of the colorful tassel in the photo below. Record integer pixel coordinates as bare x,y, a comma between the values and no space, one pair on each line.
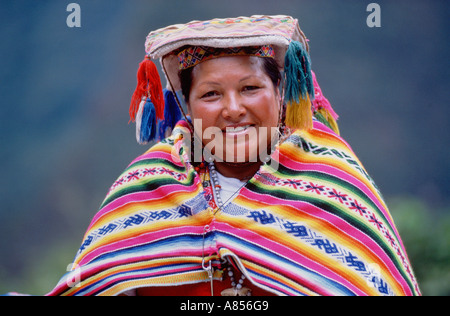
139,120
172,114
148,124
299,114
148,86
322,108
299,87
319,99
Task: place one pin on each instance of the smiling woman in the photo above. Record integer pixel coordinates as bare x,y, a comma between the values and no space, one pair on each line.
276,203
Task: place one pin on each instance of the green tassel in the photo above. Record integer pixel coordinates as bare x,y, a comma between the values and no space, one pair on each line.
299,86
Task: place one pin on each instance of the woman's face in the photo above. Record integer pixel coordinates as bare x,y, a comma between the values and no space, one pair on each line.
235,107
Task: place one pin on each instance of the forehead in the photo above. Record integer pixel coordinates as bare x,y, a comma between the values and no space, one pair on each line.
228,66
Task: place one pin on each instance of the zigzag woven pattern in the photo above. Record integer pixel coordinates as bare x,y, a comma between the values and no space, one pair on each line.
315,226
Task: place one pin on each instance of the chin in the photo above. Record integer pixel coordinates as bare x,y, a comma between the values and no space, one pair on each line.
241,154
237,152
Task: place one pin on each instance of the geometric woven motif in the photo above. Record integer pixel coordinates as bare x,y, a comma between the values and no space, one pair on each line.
327,246
351,203
188,208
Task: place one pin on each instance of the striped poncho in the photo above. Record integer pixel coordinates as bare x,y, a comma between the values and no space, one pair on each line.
315,225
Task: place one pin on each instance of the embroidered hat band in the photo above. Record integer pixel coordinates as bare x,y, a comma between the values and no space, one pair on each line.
194,55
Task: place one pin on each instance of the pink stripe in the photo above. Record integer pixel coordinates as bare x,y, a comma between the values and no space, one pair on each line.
323,128
274,286
158,154
141,197
116,279
142,240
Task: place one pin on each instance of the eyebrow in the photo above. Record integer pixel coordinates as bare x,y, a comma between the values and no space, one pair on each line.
209,83
218,83
248,77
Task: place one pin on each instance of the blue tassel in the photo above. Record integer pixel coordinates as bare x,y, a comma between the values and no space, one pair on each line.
148,124
172,113
297,72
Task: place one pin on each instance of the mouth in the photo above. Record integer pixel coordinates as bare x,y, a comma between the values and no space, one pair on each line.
236,130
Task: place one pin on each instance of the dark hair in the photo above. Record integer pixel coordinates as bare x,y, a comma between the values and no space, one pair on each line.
270,67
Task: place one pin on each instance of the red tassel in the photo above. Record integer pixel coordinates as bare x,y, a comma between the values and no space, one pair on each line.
148,85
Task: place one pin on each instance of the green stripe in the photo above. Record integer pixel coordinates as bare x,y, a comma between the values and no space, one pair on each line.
150,183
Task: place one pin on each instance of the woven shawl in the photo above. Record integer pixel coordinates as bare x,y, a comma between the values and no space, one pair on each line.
315,225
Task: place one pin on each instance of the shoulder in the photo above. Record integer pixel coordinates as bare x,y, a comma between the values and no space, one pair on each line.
321,153
320,145
162,164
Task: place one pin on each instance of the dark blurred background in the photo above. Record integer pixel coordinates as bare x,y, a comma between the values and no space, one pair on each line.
65,136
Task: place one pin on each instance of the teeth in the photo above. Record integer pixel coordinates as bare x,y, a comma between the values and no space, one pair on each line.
236,129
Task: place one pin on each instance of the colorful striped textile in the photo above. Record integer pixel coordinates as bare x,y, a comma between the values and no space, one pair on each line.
315,225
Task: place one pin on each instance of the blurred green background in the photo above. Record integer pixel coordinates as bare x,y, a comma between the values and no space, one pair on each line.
65,135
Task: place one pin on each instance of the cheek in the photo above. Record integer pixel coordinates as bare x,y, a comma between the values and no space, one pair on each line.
204,119
195,111
267,110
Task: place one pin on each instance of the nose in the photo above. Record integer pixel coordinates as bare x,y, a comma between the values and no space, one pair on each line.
233,108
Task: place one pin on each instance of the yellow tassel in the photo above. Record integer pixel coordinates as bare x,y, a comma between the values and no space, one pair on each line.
330,120
299,114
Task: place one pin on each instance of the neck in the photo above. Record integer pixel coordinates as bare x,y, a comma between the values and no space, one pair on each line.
241,171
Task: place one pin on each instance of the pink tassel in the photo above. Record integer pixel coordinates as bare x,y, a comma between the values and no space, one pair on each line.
320,102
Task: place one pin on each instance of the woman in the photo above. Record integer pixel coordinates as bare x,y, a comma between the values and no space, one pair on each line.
253,193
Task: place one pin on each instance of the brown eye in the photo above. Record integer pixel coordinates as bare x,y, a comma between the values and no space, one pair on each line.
250,88
209,95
